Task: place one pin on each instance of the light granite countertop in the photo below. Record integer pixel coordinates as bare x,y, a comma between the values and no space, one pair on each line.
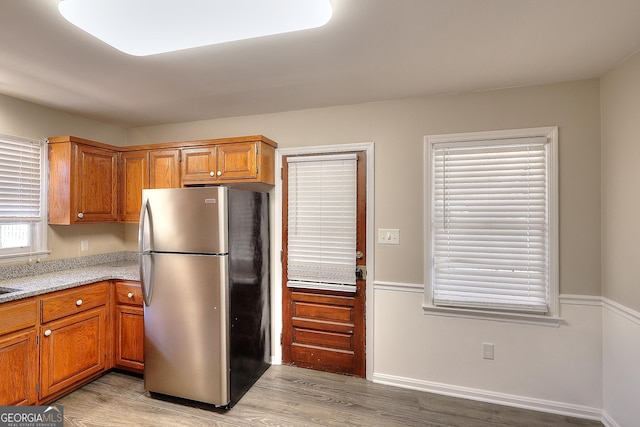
49,276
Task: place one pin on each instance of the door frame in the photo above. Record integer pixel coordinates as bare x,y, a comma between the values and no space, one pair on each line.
276,278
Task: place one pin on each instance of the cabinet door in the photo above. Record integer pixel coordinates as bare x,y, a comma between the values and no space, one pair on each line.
164,168
96,181
129,337
72,349
134,177
198,165
237,161
18,368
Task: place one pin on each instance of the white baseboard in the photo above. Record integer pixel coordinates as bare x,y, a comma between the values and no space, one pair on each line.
558,408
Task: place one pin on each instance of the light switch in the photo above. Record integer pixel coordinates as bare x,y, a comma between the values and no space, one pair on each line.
389,236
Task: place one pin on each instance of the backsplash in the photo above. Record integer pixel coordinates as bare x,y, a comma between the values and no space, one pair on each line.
15,271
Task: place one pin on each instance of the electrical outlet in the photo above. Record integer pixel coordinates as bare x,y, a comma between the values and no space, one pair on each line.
487,351
84,245
389,236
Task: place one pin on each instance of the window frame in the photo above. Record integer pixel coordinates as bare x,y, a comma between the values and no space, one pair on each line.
551,318
38,236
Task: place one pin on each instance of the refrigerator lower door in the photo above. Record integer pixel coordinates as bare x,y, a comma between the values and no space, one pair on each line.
186,328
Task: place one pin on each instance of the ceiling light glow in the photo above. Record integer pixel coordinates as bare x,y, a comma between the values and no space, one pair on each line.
148,27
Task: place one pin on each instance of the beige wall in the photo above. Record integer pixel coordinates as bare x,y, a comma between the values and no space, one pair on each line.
620,94
21,118
398,128
28,120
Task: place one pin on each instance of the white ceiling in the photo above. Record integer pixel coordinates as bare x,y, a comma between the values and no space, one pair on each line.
371,50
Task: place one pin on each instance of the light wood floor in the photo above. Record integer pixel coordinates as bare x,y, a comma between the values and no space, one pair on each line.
288,396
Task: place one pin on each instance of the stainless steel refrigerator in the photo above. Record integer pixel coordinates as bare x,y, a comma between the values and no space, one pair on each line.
204,268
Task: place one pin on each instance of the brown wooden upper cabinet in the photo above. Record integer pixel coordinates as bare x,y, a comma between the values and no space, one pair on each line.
90,182
199,165
164,168
83,181
134,175
229,162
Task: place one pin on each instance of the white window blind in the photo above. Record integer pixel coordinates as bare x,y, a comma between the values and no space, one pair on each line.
21,194
490,216
321,222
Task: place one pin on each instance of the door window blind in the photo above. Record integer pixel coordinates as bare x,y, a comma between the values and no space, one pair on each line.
490,212
321,222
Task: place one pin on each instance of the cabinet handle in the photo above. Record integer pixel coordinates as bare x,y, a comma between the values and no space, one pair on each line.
219,173
211,173
47,332
79,302
80,215
130,294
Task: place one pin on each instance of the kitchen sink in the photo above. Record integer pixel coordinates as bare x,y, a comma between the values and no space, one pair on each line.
7,290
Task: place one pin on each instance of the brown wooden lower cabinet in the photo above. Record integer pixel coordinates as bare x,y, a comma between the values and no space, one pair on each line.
52,344
18,353
72,349
129,326
18,368
74,337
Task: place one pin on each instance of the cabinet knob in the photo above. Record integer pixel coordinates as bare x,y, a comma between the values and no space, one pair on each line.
130,294
79,302
211,173
47,332
219,173
80,215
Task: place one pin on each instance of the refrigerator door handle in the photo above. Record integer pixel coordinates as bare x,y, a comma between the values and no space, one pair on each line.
144,283
142,222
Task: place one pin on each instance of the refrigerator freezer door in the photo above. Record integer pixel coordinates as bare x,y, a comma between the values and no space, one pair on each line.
185,220
186,324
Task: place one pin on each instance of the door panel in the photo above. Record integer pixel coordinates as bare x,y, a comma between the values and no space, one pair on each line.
73,350
164,168
325,330
186,220
185,328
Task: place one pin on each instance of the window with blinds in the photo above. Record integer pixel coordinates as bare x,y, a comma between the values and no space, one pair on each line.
22,217
321,222
492,212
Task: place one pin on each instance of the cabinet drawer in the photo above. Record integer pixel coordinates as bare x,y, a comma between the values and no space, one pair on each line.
18,315
128,293
71,301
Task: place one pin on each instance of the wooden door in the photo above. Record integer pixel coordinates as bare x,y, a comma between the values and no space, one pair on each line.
129,326
96,196
237,161
198,165
129,337
134,177
18,368
164,168
325,329
72,349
